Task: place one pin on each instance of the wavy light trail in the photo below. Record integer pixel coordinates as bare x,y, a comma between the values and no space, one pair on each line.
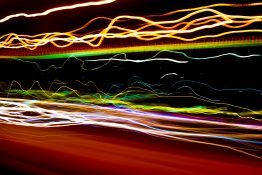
102,2
122,57
41,114
56,9
142,33
125,98
56,117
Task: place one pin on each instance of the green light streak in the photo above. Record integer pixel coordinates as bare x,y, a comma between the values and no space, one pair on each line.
148,48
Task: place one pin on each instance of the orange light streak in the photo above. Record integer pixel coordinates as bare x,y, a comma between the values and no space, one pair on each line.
173,29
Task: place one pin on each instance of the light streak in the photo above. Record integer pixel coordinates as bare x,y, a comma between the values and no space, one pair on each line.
125,97
52,10
125,58
168,75
213,88
113,58
142,33
211,124
102,2
157,58
143,48
210,6
41,114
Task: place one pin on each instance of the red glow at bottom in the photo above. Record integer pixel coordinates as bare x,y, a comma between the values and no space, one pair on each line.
89,150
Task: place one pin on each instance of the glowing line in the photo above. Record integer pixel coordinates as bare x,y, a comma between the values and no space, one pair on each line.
212,57
96,39
138,61
211,87
210,6
154,58
168,75
68,7
125,59
143,48
145,122
117,100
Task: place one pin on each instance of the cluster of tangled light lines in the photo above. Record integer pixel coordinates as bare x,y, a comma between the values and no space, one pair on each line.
138,90
145,29
66,106
175,126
